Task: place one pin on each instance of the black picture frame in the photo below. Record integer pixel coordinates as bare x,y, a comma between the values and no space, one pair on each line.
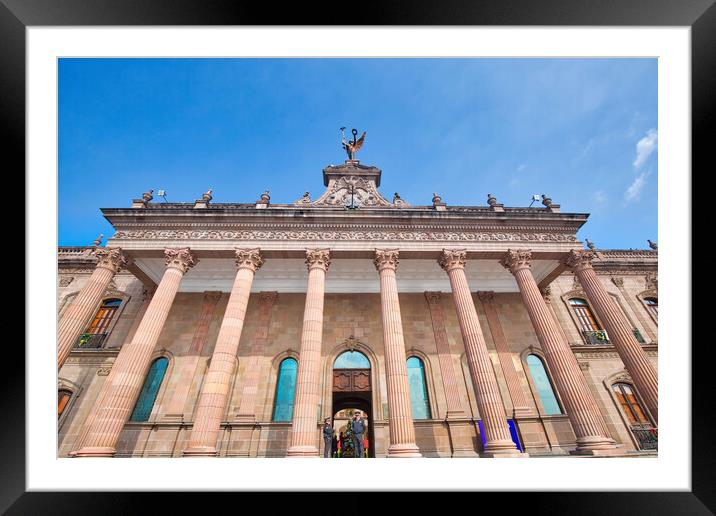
700,15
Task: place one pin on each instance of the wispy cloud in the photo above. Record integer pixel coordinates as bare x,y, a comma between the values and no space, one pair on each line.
521,167
599,197
634,191
645,147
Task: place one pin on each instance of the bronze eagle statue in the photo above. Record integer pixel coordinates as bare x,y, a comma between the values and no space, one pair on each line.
352,146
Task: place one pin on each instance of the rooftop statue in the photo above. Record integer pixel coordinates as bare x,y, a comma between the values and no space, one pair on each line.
353,146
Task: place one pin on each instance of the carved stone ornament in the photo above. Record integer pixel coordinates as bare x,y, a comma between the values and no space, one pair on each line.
433,298
578,260
206,196
112,258
357,234
436,199
103,371
305,200
452,259
268,297
361,191
318,258
486,296
249,259
64,282
515,260
618,281
546,293
652,281
147,196
351,343
576,285
386,259
182,259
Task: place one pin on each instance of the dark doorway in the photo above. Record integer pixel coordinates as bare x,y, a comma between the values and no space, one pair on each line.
352,389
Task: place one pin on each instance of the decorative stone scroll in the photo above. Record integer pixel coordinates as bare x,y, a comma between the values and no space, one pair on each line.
452,259
182,259
112,258
249,259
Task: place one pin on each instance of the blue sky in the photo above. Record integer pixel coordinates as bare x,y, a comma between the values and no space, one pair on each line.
583,131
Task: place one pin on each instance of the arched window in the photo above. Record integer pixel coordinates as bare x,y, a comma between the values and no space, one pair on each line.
285,390
586,319
652,304
351,360
630,404
418,388
148,395
63,398
591,330
543,385
96,332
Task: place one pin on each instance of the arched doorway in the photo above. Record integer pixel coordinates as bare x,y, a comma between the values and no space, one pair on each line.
352,390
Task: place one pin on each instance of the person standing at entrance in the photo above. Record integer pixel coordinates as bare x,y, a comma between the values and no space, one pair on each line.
334,446
327,438
358,428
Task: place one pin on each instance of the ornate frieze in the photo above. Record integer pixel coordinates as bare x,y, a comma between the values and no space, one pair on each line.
182,259
515,260
112,258
249,259
386,259
452,259
332,235
318,258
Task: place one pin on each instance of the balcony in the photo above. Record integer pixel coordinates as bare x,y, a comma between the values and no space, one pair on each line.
596,338
90,341
646,435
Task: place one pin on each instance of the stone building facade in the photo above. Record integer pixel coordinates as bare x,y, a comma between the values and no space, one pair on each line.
208,329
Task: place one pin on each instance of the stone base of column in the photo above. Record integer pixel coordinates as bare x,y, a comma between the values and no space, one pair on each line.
613,452
500,449
94,451
200,451
462,437
302,451
596,445
396,451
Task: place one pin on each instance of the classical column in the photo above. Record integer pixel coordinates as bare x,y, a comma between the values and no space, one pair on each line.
447,369
76,317
582,410
215,390
400,417
618,329
520,406
246,412
305,410
492,411
121,389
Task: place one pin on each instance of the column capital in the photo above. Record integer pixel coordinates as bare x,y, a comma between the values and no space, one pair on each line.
433,298
249,259
516,260
113,259
452,259
318,259
579,260
386,259
182,259
486,295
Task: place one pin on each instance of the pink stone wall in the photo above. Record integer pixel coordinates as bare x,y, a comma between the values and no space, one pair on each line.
344,315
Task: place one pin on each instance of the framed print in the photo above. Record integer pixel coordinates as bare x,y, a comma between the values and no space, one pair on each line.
434,234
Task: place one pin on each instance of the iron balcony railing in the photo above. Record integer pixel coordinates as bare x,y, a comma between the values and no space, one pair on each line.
91,341
596,338
646,435
600,337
